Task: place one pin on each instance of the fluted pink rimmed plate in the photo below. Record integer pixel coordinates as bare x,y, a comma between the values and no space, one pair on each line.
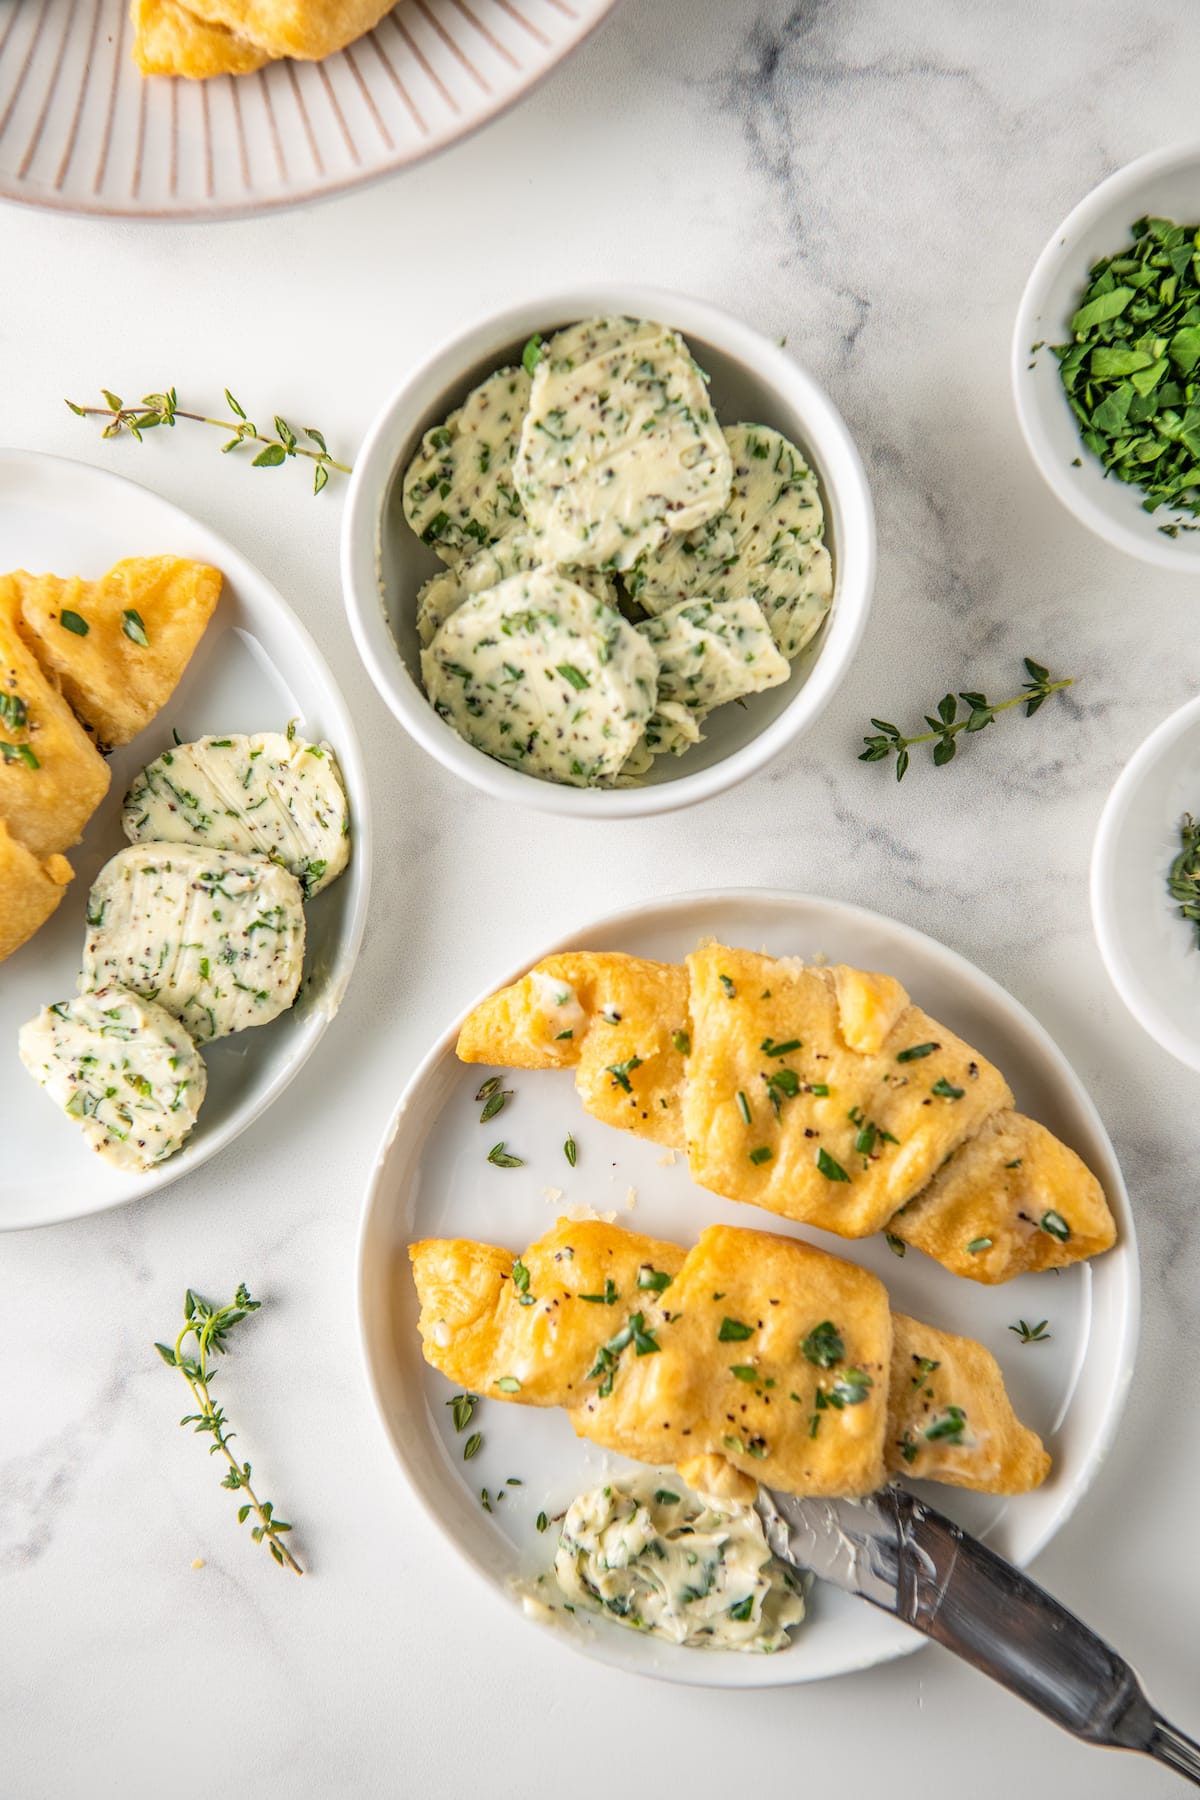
432,1179
81,130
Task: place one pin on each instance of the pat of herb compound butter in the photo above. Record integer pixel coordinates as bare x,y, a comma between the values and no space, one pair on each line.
543,676
709,653
458,489
215,937
767,543
659,1559
620,445
517,552
122,1068
264,795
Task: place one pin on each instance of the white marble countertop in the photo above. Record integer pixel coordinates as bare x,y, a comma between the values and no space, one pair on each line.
875,182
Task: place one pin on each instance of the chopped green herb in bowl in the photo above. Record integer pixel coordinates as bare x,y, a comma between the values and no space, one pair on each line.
1131,370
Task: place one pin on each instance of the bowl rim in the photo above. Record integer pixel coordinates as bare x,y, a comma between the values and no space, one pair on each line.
1178,555
1123,797
840,467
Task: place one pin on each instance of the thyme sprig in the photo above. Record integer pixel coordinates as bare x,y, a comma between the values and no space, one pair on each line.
210,1326
1183,879
164,409
943,730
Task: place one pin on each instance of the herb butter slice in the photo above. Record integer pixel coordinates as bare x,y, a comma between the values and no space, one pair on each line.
709,653
264,795
766,543
545,677
216,938
518,552
620,445
122,1068
458,490
696,1571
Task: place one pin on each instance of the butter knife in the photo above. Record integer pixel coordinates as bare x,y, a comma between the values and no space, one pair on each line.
910,1561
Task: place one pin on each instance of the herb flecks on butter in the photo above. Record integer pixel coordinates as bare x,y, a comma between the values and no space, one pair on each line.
697,1572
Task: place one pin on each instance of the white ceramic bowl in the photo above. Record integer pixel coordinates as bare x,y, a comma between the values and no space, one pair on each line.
1151,953
1167,184
384,563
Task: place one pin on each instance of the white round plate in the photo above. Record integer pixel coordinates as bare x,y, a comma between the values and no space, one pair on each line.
432,1179
1151,953
256,668
81,130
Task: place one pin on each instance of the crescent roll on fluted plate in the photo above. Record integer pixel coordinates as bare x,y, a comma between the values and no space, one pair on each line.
234,37
750,1358
821,1094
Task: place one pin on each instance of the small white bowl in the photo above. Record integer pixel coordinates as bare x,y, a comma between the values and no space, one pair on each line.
1151,954
384,563
1165,184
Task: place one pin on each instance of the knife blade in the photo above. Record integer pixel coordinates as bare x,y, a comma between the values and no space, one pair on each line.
903,1557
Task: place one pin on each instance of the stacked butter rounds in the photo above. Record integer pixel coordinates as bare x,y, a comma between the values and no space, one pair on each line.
618,564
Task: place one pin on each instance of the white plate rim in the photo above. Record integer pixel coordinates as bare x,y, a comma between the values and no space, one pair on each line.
700,1671
1110,937
350,759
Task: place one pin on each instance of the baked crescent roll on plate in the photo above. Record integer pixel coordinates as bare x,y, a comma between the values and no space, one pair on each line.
822,1094
233,37
750,1358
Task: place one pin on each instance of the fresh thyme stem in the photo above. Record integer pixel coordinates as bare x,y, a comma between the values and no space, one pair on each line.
210,1326
943,729
927,737
164,409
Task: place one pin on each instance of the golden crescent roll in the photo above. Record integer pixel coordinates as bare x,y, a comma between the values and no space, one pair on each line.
118,646
29,890
213,37
821,1094
751,1357
52,778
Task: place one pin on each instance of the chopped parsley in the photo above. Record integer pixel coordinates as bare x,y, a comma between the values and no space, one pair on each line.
621,1072
732,1331
824,1346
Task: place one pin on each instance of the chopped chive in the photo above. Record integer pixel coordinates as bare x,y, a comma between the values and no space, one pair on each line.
829,1168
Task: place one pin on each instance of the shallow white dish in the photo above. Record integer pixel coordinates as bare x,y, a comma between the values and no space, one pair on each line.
432,1179
82,131
384,563
1167,184
255,669
1149,951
